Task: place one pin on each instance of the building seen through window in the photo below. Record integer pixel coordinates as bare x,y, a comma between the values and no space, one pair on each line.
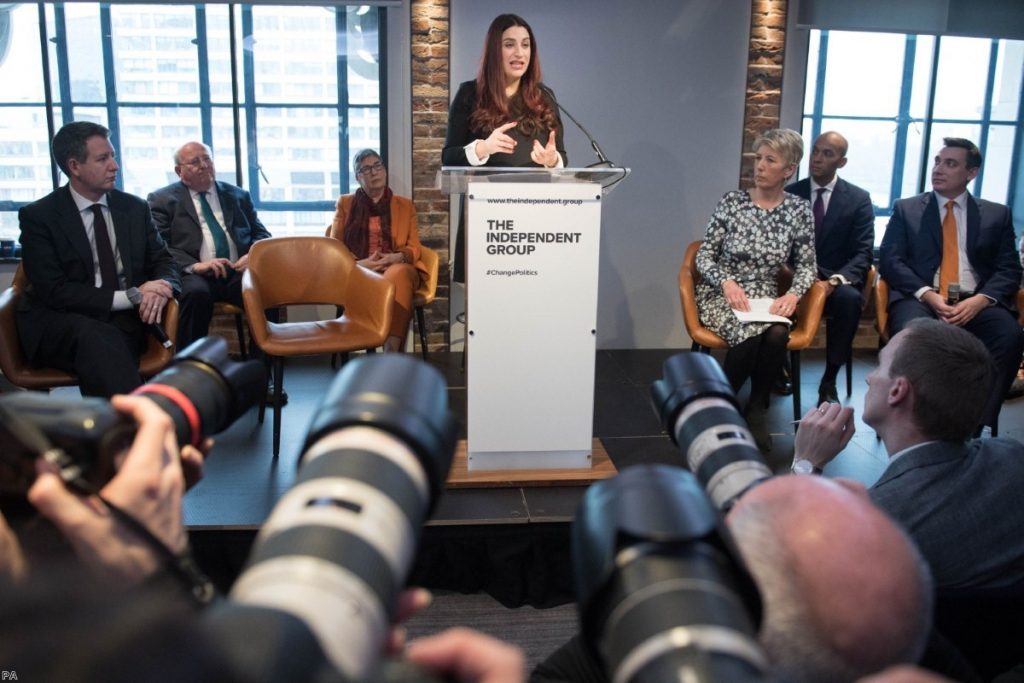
895,96
304,84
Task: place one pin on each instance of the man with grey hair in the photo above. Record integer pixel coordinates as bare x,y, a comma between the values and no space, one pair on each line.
816,549
209,226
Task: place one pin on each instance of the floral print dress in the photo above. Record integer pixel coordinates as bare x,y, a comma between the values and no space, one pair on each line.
750,245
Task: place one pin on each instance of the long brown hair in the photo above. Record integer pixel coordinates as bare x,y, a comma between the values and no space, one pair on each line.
493,108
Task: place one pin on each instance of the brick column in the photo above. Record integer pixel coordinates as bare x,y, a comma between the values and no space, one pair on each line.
430,75
764,76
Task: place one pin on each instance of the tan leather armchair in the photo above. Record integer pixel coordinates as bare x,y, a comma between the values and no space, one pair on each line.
286,271
808,317
20,372
424,296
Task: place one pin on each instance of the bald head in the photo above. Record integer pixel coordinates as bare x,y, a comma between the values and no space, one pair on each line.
827,156
845,591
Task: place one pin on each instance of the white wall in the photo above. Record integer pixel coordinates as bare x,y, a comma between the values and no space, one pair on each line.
661,85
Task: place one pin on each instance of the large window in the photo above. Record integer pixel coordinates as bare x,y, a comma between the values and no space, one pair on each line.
285,110
895,97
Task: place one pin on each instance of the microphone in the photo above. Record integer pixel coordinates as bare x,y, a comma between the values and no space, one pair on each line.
602,161
135,297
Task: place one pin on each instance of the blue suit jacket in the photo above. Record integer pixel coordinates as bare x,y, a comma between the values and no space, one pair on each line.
175,216
912,248
848,231
960,502
58,259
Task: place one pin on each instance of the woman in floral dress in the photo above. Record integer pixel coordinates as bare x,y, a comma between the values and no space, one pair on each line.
750,237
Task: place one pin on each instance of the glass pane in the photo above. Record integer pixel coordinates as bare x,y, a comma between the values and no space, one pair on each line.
870,155
363,56
950,130
960,84
807,134
149,138
155,57
995,185
861,63
922,76
85,54
218,42
810,88
224,146
21,70
912,168
24,154
294,54
288,223
297,141
1006,92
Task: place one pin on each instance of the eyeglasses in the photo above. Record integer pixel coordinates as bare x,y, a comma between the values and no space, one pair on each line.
370,168
199,162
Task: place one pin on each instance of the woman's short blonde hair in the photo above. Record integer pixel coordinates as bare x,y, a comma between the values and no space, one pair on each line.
784,142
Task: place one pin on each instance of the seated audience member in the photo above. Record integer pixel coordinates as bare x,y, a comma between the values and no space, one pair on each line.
379,228
956,498
750,237
209,226
88,250
947,237
844,238
815,548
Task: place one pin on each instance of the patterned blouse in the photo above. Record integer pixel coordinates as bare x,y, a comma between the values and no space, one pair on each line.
750,245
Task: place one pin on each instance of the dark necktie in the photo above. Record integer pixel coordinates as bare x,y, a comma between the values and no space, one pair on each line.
104,250
220,240
819,214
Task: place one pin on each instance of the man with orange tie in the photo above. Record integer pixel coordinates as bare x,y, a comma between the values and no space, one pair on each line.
951,256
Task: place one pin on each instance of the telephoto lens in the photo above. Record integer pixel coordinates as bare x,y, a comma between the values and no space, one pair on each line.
335,553
698,409
204,391
662,592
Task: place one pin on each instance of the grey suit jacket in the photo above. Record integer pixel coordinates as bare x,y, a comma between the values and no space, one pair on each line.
911,250
58,259
961,503
175,216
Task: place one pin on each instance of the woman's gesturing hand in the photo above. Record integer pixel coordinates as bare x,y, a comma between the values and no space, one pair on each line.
497,142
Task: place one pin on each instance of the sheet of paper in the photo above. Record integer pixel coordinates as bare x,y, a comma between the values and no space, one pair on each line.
758,313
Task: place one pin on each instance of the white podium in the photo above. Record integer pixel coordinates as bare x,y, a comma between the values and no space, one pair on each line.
532,247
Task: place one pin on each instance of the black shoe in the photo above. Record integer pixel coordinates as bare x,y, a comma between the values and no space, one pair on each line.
270,395
757,421
783,385
827,393
1016,390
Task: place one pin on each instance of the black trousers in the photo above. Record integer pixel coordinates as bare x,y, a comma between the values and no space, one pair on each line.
842,307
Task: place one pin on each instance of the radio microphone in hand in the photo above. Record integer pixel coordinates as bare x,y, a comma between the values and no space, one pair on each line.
135,296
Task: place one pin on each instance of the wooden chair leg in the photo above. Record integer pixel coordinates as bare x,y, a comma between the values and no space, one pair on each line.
278,382
794,362
422,325
849,375
240,329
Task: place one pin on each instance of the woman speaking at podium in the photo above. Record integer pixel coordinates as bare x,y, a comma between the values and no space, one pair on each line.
506,117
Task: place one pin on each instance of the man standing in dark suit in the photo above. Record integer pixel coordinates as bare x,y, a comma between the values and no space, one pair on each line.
210,226
844,237
92,257
947,237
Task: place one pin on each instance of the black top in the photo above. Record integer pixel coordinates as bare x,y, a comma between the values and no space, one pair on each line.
461,134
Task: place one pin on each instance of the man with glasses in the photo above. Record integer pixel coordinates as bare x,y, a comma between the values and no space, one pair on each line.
210,226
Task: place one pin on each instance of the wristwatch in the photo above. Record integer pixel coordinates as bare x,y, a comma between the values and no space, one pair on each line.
134,295
804,466
835,280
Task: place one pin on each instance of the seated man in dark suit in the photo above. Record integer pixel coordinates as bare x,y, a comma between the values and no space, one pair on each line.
958,499
98,270
209,226
947,237
844,238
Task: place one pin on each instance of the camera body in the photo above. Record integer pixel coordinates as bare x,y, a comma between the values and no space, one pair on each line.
202,390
